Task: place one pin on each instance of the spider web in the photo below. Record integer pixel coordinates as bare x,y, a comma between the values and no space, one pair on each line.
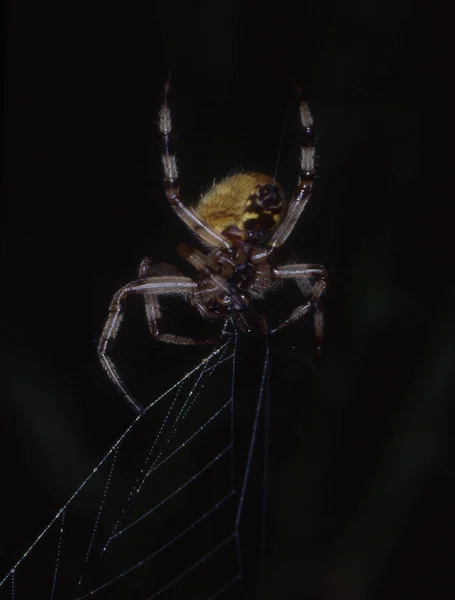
176,508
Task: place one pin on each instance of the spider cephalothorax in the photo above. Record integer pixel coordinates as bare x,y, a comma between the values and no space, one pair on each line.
242,221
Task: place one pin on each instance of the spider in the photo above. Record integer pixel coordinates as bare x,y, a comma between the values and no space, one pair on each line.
242,221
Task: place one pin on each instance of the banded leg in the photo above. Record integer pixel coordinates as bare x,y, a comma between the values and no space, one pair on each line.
302,274
171,184
149,288
307,170
148,270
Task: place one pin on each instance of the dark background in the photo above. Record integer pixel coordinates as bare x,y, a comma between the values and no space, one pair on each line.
363,489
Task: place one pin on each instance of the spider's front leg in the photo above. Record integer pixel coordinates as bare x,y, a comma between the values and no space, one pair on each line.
150,288
302,274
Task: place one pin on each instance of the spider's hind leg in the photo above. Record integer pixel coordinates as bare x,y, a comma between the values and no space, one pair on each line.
171,181
302,194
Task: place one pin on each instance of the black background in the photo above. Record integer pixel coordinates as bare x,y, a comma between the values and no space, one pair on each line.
363,496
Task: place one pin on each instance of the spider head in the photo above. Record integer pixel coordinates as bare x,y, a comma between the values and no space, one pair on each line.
243,207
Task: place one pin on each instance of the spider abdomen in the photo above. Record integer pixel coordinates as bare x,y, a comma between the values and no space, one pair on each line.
245,206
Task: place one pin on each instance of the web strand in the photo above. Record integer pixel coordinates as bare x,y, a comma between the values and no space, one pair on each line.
189,462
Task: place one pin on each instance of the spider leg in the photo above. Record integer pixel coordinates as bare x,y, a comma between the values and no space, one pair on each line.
150,288
307,169
171,183
148,270
302,275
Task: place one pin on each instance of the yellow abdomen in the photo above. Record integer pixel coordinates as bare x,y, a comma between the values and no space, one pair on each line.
246,205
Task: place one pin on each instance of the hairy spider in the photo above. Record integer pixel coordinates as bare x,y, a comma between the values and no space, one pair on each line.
242,221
